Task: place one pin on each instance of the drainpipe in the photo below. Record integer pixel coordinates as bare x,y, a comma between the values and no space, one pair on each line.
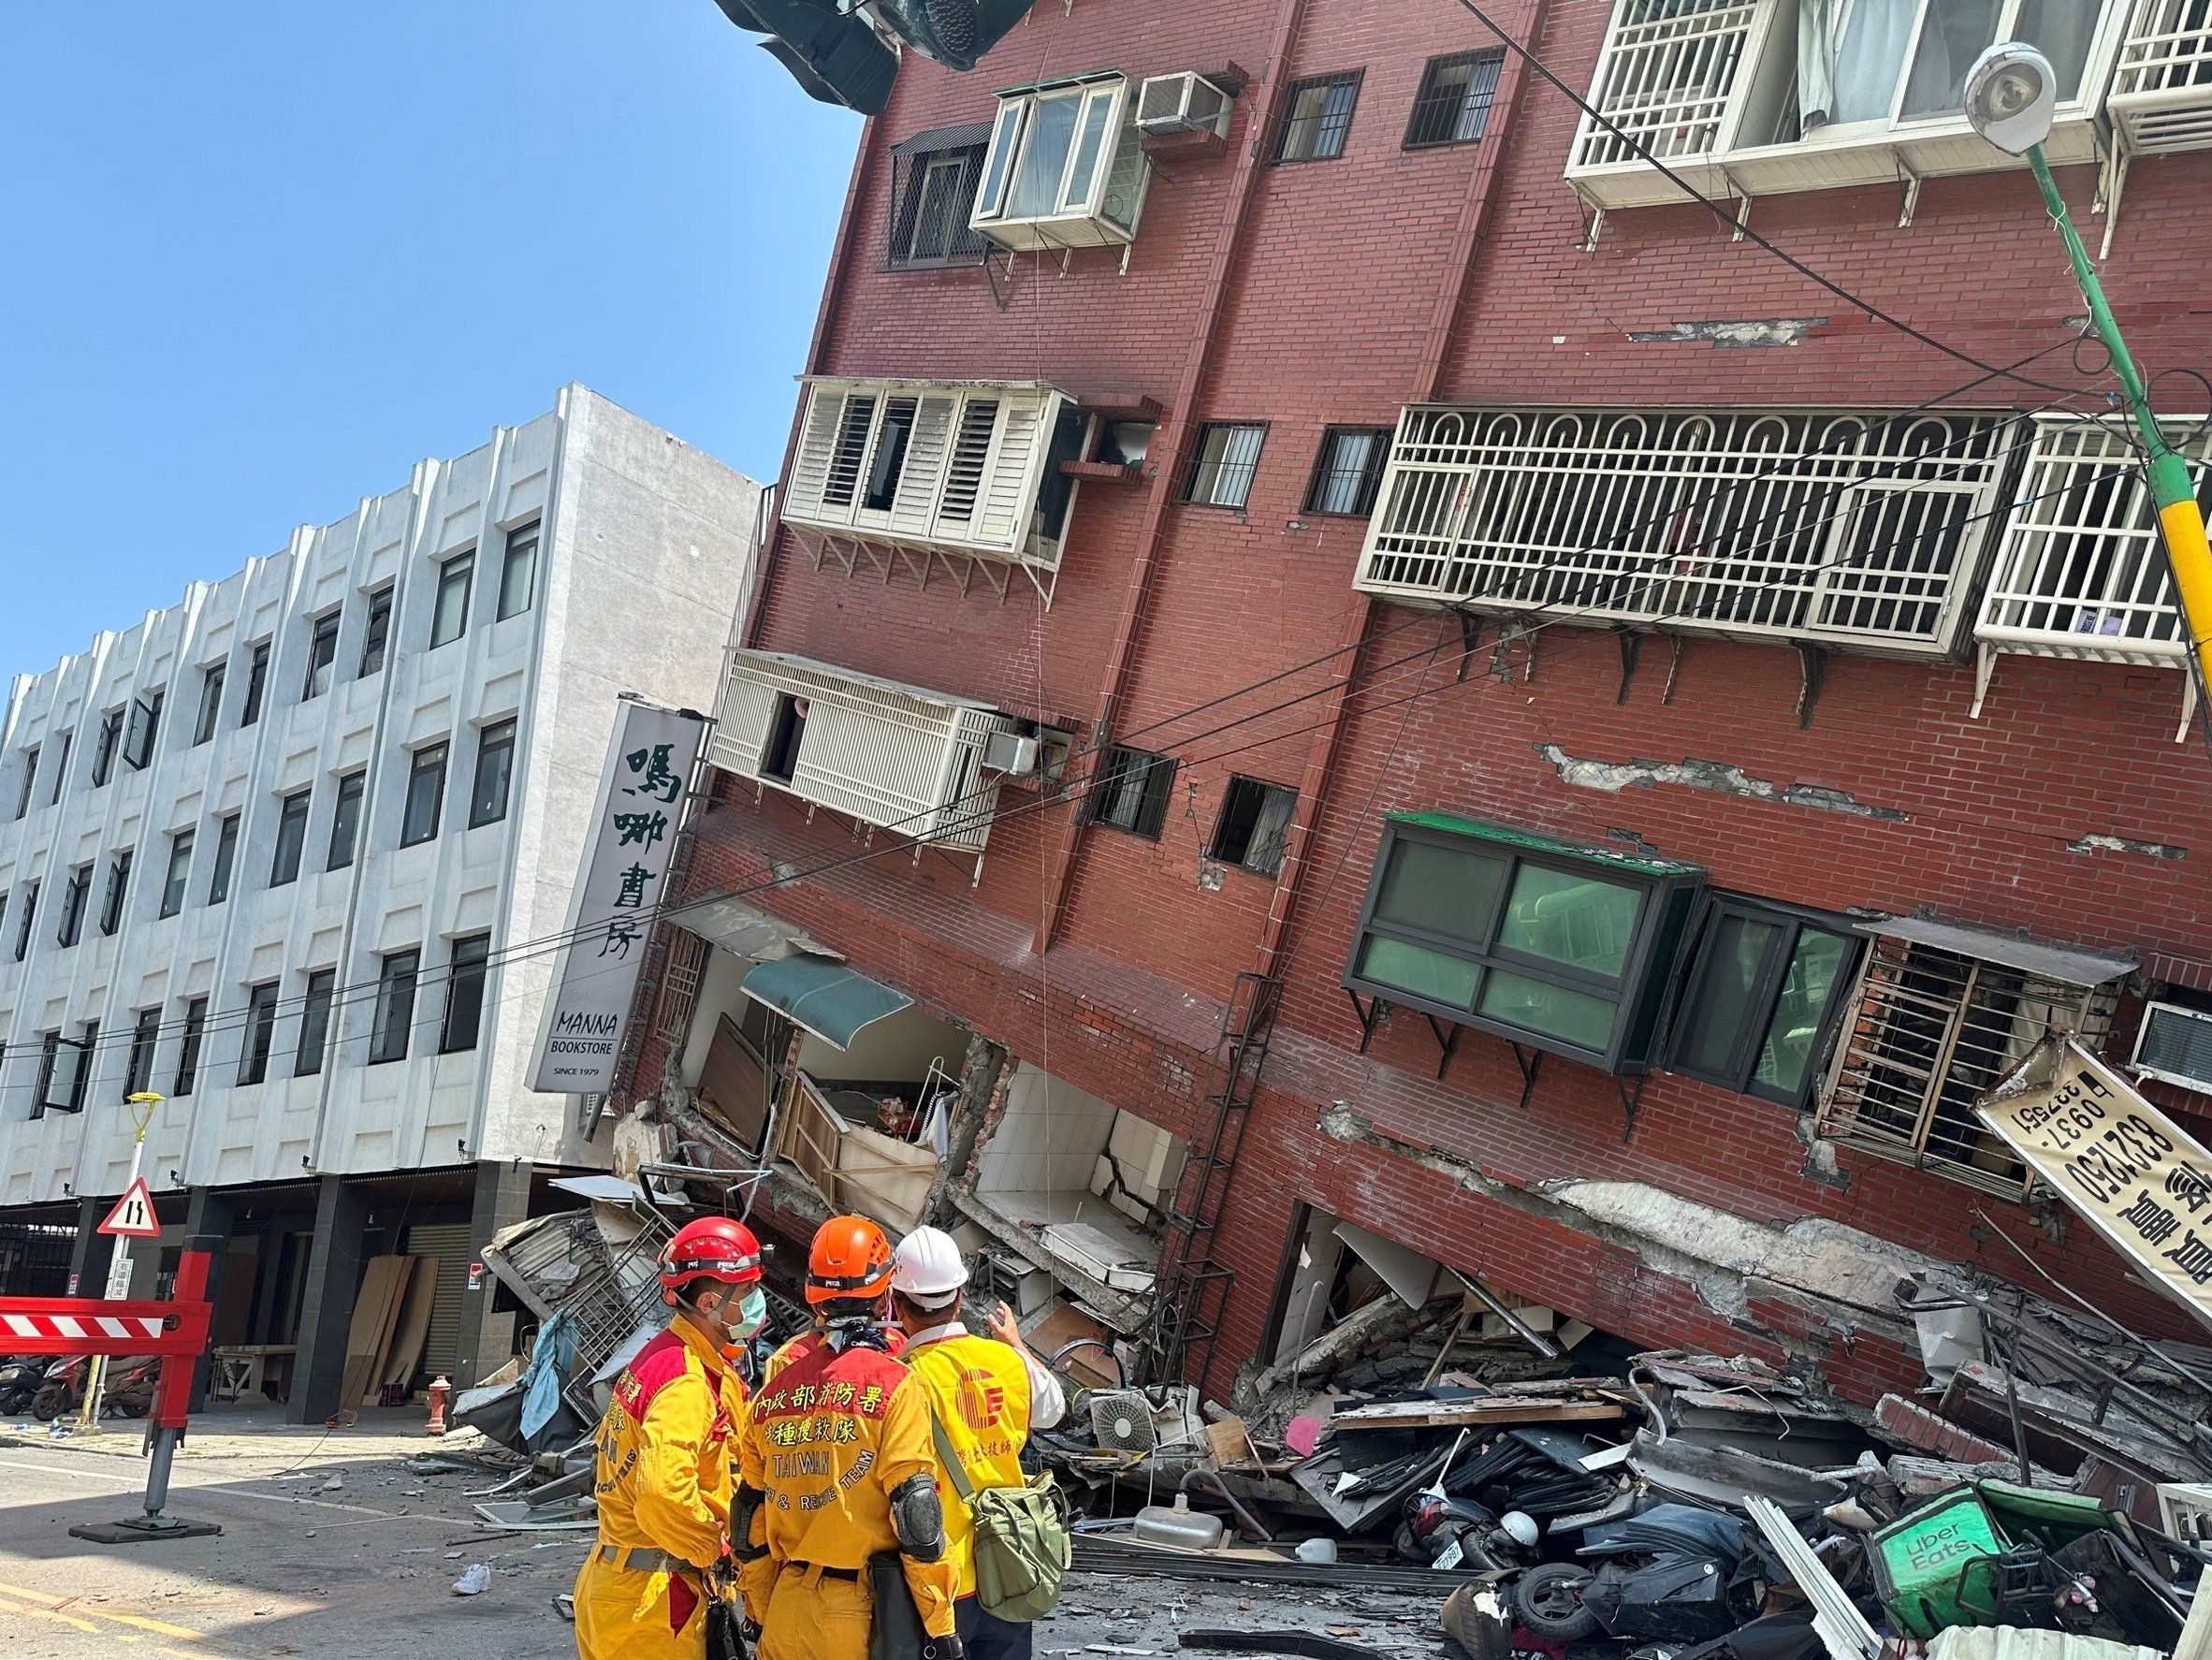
1213,316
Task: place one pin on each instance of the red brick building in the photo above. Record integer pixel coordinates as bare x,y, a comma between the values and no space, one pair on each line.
1557,740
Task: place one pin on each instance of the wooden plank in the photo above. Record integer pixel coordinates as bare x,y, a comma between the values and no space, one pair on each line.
1427,1415
403,1275
414,1327
381,1285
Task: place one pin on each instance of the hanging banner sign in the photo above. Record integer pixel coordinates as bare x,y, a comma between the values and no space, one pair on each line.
626,852
2128,1171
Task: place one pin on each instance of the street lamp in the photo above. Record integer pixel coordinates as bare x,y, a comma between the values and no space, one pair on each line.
2011,93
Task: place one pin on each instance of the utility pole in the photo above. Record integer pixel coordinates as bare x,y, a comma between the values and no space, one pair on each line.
143,1104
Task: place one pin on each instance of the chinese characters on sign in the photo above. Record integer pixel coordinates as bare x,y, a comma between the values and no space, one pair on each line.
626,855
2126,1168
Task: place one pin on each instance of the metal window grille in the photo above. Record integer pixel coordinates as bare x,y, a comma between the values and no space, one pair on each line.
1318,117
1453,104
686,966
2081,570
1934,1030
1667,77
1769,525
1222,467
1348,471
2162,88
933,196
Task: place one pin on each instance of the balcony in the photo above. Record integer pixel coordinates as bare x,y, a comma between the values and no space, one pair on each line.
960,474
1735,96
2162,92
895,757
1815,529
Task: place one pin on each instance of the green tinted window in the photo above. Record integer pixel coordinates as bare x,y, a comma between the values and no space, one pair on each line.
1442,890
1714,1026
1571,919
1418,972
1815,967
1574,1016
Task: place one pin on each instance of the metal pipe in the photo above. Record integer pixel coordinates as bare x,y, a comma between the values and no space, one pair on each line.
157,1470
1246,1519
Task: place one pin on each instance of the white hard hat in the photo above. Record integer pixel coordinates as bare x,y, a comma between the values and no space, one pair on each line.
927,1268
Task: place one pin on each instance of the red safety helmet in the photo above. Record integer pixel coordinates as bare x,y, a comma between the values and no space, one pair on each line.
713,1247
851,1260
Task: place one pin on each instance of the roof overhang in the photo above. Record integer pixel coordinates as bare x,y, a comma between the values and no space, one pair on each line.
825,997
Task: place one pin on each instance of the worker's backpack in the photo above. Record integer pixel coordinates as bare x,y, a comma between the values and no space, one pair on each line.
1021,1538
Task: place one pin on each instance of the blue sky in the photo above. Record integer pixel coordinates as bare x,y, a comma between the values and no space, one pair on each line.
263,256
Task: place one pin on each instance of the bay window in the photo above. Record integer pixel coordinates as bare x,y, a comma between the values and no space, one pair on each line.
1761,997
1064,168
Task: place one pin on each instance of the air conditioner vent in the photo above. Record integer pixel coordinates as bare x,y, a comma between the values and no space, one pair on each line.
2176,1045
1184,103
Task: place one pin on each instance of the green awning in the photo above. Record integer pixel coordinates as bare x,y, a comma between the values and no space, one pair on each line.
826,998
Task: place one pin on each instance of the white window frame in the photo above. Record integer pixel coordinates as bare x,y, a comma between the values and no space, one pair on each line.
1891,149
1079,215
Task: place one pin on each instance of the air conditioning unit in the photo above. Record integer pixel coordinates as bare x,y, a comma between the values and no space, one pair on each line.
1014,754
1184,103
2176,1045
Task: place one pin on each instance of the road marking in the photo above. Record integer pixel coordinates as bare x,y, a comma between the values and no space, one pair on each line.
129,1480
161,1627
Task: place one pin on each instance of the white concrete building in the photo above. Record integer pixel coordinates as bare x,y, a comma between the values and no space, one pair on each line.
257,850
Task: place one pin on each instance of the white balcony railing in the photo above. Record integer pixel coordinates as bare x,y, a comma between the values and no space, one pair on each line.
1823,528
2081,570
954,468
1665,78
898,757
2162,92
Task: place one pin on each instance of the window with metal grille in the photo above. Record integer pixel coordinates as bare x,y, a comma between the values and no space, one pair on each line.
1132,790
1222,464
1317,115
932,182
1255,818
1932,1030
1843,527
1348,471
679,984
1453,105
1764,989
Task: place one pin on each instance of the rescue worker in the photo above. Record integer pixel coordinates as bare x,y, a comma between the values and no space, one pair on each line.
666,1456
989,1393
836,1457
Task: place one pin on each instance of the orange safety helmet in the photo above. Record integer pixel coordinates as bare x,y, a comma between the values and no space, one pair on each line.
713,1247
851,1260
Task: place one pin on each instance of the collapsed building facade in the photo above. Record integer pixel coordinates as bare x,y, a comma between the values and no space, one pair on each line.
1350,688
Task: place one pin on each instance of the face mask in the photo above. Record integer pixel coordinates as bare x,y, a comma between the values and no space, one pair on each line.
752,1314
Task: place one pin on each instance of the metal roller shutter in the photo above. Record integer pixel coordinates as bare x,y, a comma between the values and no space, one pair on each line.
449,1244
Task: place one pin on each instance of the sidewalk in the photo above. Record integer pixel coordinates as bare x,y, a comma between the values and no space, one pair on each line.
258,1431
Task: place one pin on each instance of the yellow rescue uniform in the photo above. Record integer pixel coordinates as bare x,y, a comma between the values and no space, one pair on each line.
664,1478
980,1387
829,1438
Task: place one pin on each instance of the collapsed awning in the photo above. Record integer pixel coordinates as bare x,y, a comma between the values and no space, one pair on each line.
2070,964
827,999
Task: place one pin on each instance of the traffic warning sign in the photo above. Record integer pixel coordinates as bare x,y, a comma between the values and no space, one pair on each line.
133,1217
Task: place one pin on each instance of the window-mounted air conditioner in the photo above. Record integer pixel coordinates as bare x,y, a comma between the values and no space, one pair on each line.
2176,1045
1013,753
1184,103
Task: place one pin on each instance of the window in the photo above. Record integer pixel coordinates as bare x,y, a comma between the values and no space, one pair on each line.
119,882
110,740
1317,117
24,920
322,655
495,767
376,633
1255,818
138,1076
1064,167
260,1032
1939,1016
1131,792
933,185
225,856
145,720
61,767
87,1045
1348,471
1760,999
464,994
518,569
315,1023
257,683
43,1094
1453,105
889,463
211,702
291,838
30,778
426,792
779,757
195,1028
73,899
1544,942
3,909
1222,467
395,1006
178,873
345,821
449,614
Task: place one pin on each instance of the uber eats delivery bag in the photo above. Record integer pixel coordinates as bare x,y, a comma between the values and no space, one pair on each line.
1021,1538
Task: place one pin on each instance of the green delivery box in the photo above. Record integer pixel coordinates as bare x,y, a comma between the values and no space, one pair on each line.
1932,1568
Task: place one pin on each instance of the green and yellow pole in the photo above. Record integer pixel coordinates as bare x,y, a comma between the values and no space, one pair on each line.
2181,523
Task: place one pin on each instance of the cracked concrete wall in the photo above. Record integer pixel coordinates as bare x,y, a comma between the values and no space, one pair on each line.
1749,331
1715,776
2125,844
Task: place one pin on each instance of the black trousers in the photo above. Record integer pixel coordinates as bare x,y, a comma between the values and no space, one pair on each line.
985,1637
